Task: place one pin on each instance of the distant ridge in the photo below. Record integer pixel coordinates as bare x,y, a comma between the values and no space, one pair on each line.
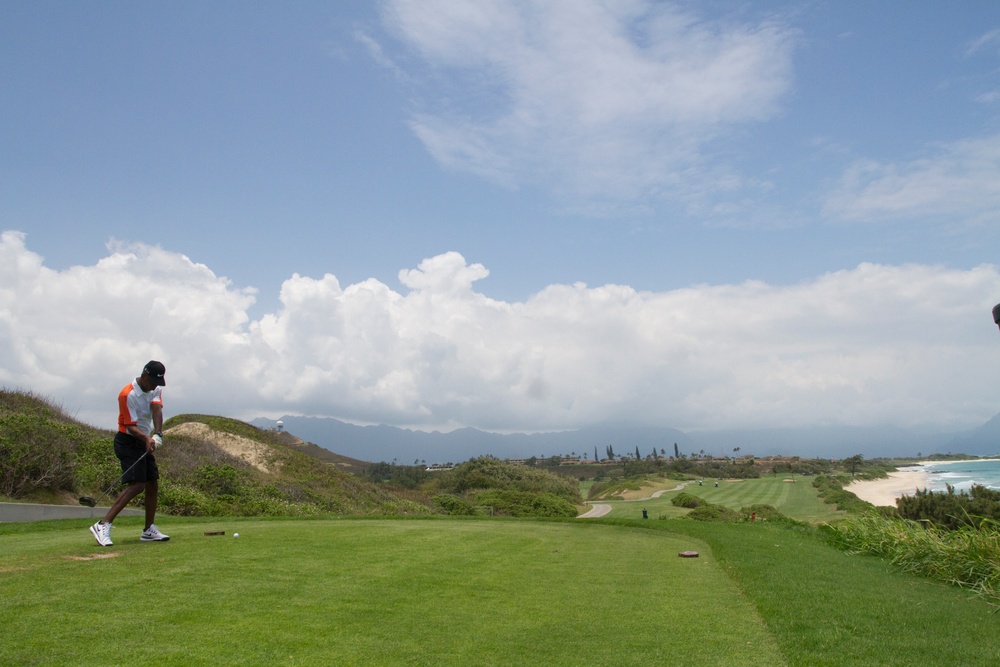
404,446
982,441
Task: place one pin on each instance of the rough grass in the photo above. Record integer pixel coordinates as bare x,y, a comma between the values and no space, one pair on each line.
826,607
968,557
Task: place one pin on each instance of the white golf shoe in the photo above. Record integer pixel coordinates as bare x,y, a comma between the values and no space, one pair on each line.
153,534
102,533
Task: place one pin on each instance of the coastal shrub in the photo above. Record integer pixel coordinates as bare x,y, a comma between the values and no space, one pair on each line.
685,499
509,502
36,453
831,490
453,505
968,557
184,500
490,473
949,509
408,477
709,512
222,480
96,465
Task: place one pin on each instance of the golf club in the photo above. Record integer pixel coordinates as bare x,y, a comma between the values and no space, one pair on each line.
90,502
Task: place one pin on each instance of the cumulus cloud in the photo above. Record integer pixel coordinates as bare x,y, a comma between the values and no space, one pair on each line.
957,181
872,345
599,101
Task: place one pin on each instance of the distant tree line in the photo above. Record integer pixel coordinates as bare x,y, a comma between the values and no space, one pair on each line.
407,477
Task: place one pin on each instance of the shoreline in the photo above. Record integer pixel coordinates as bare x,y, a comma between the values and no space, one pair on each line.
884,492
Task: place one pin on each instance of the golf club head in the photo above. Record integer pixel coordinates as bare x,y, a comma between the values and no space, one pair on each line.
88,501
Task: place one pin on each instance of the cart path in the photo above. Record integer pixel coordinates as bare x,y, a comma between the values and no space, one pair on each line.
595,512
601,509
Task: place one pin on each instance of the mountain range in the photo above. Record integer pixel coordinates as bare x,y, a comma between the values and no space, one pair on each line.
407,447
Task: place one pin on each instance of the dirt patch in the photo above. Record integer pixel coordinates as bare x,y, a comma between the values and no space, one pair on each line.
250,451
94,557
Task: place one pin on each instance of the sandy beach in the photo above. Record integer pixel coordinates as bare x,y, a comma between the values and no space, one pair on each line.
885,491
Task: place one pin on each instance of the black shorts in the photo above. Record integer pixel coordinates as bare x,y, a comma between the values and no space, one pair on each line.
128,450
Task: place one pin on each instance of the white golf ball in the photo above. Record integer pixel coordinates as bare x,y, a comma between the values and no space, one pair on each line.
236,534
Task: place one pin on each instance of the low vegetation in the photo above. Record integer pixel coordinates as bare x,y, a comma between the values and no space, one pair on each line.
977,507
831,489
506,489
214,466
46,455
968,556
40,447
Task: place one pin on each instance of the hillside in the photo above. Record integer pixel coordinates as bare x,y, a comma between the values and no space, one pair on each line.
209,466
230,467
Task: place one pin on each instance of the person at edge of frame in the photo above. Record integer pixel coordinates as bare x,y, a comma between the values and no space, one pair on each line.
140,414
996,314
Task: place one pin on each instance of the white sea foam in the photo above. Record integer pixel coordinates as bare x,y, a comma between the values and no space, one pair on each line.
963,474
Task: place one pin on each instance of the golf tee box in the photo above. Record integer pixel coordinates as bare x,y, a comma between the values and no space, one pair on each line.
216,532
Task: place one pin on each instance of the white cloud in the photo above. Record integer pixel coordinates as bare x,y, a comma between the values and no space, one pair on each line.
595,100
956,182
74,333
987,41
872,345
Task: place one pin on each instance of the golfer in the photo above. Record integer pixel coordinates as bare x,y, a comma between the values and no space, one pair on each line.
140,425
996,314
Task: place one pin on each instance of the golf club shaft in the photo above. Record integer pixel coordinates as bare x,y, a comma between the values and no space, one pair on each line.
137,461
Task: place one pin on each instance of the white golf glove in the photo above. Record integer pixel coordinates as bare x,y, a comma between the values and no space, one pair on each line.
158,440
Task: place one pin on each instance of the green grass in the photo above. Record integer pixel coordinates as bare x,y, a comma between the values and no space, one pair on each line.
372,592
968,556
472,592
826,607
797,499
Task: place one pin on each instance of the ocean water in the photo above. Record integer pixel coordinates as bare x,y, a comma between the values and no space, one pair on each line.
963,474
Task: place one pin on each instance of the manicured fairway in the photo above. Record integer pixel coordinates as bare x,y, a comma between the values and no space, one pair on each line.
372,592
796,499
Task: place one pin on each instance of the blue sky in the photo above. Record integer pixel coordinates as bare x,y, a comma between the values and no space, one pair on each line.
584,177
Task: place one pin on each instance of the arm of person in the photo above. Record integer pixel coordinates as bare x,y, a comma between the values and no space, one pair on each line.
137,433
157,410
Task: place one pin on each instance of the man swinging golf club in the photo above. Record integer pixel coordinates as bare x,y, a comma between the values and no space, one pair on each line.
140,414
